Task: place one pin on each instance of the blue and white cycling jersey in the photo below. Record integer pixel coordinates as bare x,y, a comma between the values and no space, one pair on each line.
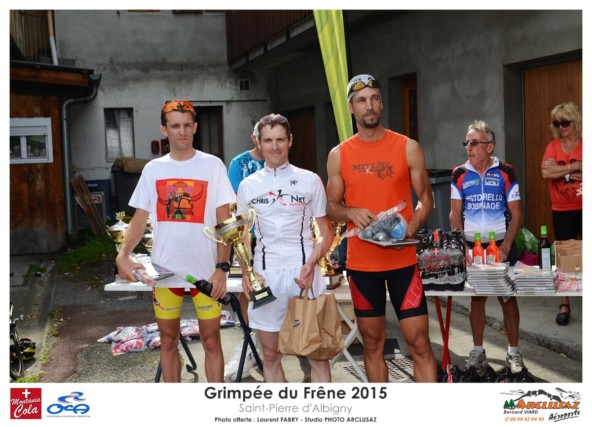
485,201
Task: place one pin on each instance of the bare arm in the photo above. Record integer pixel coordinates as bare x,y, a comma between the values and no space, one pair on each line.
456,215
421,187
319,250
513,228
133,235
361,217
550,169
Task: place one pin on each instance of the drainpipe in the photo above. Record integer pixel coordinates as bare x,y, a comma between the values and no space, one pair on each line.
95,80
52,43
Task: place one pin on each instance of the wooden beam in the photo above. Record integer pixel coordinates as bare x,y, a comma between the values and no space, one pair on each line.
49,76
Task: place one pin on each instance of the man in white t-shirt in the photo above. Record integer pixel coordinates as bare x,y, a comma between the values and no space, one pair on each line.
184,191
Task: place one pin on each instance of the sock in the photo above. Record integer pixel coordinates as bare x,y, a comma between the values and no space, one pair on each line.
512,350
479,348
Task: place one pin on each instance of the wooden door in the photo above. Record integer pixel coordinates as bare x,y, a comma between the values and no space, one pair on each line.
544,88
37,218
304,148
209,137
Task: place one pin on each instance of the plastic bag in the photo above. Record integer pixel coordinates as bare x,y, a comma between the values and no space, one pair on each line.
231,368
387,229
527,242
441,260
382,215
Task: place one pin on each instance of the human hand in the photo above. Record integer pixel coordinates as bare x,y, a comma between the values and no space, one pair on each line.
126,266
218,281
361,217
306,276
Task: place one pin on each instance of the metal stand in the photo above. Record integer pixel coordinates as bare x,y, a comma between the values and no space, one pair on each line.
247,342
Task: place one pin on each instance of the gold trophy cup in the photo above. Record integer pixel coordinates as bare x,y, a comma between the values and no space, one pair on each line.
234,230
117,230
235,268
325,262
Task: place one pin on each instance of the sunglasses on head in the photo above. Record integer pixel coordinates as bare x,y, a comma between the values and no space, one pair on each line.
178,106
562,123
474,143
362,84
273,118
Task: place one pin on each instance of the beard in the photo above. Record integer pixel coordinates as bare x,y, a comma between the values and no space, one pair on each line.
370,125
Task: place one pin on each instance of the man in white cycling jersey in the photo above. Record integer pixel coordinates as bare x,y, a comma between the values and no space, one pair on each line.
285,198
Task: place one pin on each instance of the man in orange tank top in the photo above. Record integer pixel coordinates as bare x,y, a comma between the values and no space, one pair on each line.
367,174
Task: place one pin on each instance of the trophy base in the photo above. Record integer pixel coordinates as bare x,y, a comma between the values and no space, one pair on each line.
262,297
235,272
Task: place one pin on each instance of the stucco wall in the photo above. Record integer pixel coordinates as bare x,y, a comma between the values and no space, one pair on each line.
463,61
468,66
144,60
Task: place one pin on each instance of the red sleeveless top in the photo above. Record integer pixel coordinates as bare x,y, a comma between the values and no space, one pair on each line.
376,177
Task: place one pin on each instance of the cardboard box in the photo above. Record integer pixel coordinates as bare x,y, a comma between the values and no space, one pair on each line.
568,256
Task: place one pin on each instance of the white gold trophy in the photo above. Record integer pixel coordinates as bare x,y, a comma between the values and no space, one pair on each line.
147,237
233,231
117,230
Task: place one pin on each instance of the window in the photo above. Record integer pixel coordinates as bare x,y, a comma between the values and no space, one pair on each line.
30,140
119,133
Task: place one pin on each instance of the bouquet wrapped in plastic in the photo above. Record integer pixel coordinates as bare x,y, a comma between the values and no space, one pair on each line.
390,227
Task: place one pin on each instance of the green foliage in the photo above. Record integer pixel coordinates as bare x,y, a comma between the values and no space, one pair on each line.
31,378
87,249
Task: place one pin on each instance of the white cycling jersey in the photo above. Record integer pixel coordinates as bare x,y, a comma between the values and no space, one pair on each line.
285,199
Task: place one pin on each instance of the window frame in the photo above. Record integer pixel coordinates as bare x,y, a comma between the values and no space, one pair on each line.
127,151
32,126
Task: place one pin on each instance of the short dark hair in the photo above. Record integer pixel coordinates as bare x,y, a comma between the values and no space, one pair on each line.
273,120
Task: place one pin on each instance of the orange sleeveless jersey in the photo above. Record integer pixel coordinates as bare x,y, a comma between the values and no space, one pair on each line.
376,176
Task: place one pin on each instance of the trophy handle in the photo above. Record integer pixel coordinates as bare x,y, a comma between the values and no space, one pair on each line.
212,235
251,217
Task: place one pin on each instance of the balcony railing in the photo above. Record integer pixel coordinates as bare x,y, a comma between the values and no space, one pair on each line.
29,36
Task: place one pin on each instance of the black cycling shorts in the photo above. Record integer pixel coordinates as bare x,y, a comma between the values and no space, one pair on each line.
368,290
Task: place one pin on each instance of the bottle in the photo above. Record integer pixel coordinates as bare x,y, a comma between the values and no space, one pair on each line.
478,252
436,241
492,250
206,288
544,250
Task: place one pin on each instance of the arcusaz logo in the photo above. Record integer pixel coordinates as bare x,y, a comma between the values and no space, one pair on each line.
70,405
25,403
541,405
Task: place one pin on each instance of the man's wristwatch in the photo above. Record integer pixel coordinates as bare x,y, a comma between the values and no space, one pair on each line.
224,266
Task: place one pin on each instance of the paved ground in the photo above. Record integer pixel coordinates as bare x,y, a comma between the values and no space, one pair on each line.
552,353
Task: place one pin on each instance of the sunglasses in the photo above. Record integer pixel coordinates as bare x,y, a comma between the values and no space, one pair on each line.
361,85
178,106
473,144
562,123
273,118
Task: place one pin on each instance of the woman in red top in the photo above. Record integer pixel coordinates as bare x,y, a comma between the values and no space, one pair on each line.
562,166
